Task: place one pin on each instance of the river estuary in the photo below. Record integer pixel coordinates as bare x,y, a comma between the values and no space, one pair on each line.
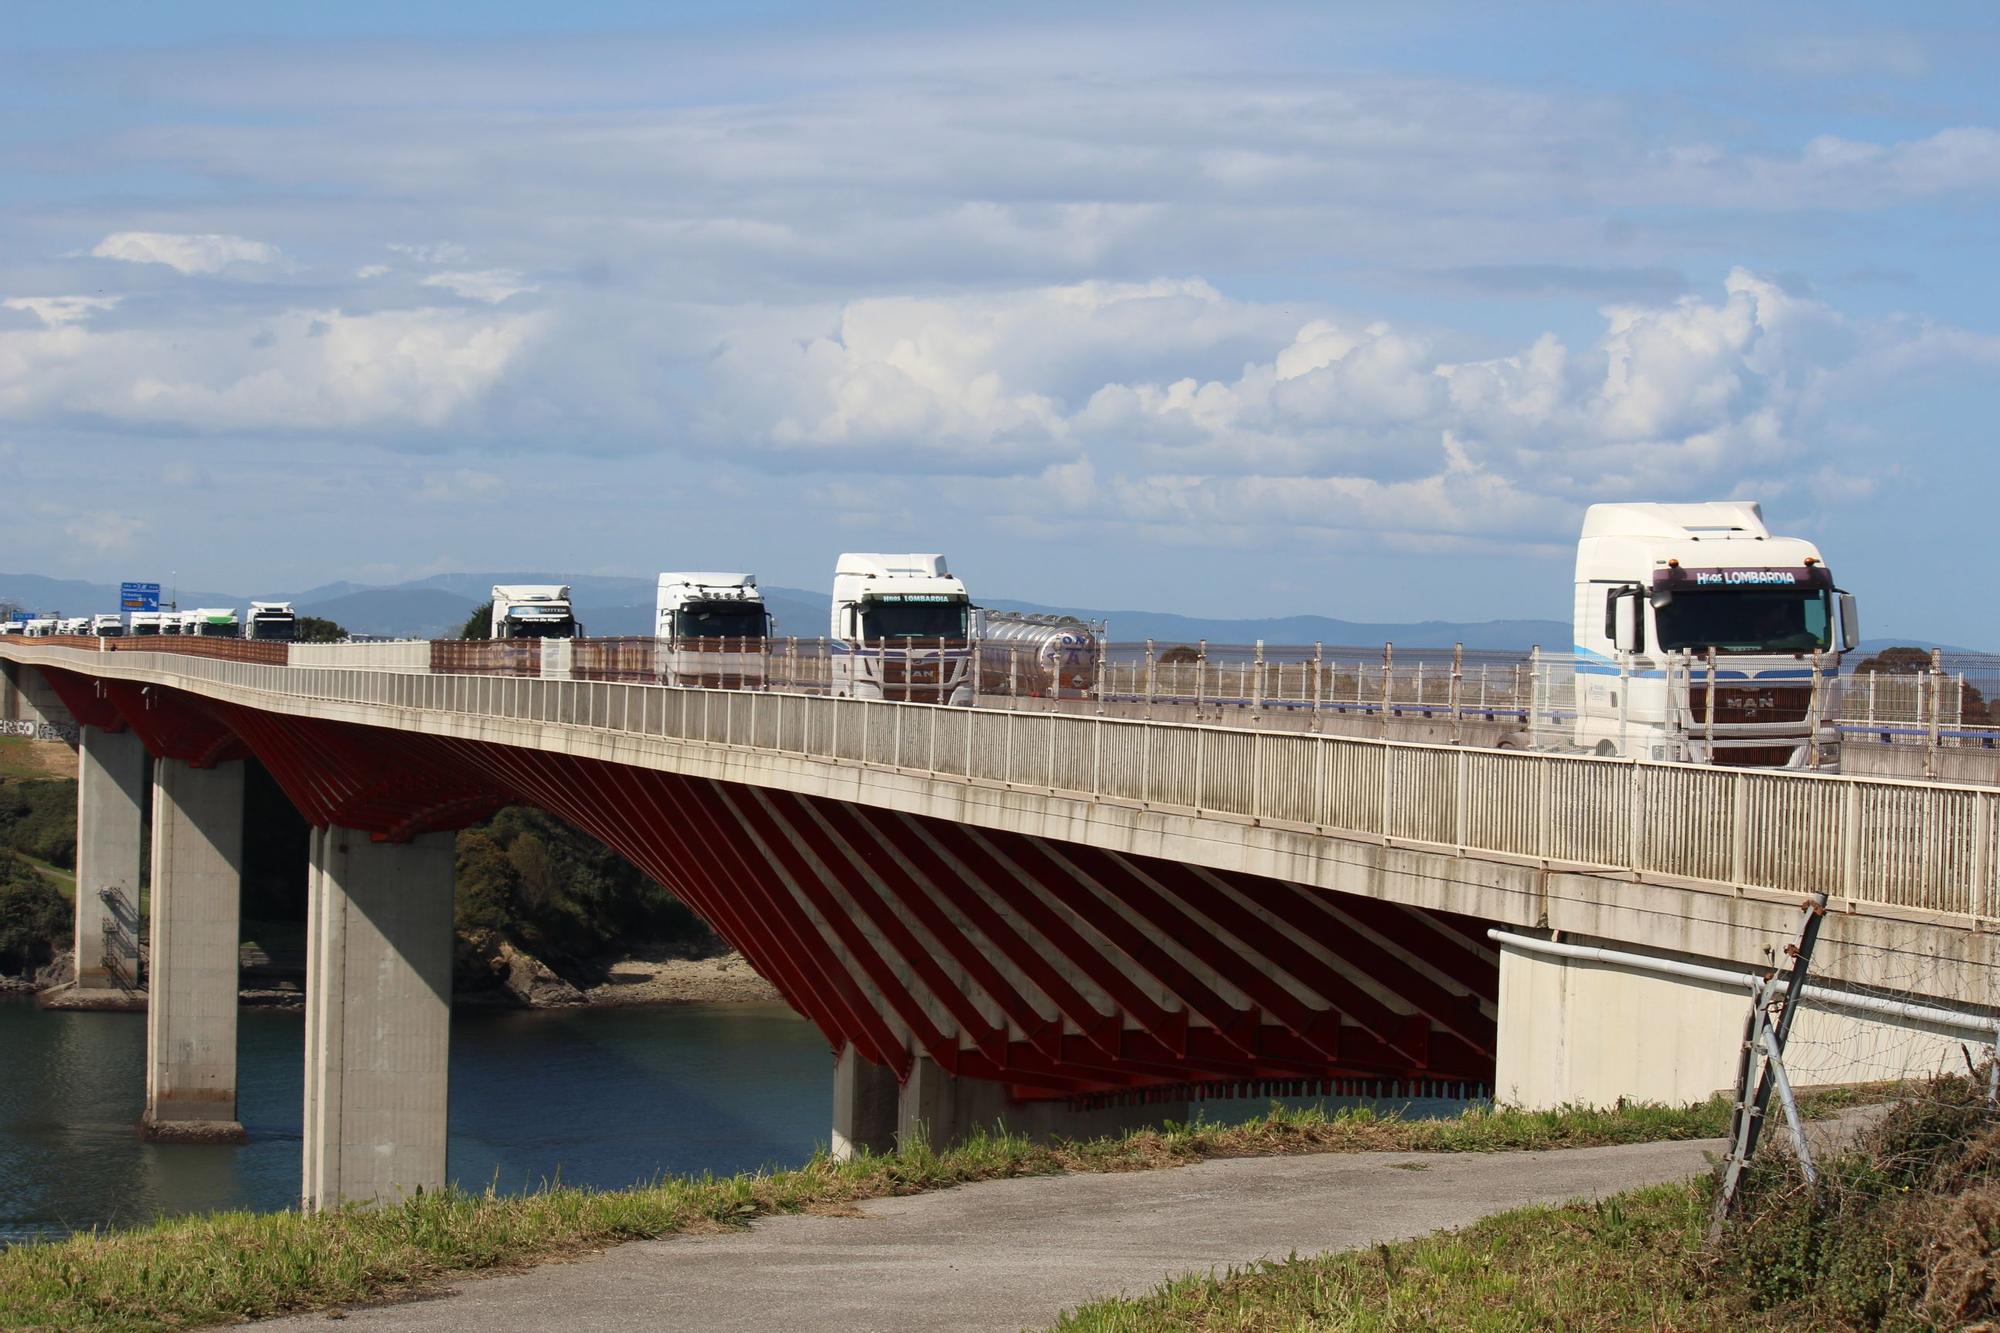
603,1097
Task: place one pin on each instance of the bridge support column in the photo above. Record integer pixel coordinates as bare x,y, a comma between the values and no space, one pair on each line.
943,1110
378,1016
865,1100
110,824
197,893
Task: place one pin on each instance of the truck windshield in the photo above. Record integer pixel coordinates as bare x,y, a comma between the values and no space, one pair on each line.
1786,620
916,616
281,628
720,620
538,626
213,630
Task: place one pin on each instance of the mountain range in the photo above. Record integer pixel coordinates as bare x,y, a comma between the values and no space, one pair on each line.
612,605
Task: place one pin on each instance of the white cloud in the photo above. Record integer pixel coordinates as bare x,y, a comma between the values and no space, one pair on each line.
441,252
55,311
105,533
367,271
298,370
492,285
207,253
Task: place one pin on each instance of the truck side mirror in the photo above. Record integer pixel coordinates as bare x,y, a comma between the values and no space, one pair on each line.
1625,622
1850,623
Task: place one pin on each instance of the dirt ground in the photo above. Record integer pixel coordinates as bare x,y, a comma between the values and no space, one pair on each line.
23,758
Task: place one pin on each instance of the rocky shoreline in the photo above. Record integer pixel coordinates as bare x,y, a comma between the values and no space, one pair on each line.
491,974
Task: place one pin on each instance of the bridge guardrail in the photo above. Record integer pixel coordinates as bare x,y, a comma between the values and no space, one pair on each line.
1903,844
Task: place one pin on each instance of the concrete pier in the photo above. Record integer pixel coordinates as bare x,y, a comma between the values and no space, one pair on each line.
110,829
197,895
865,1100
378,1016
943,1110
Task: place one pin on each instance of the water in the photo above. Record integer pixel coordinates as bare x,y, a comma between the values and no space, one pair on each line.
600,1097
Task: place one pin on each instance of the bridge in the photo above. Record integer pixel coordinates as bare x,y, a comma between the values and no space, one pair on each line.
1064,918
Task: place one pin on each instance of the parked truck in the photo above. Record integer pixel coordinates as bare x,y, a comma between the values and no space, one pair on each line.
1037,655
712,630
110,625
147,624
273,622
1662,587
902,629
533,611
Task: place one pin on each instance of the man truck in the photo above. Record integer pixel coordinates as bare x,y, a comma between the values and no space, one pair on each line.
533,611
902,629
712,630
1663,590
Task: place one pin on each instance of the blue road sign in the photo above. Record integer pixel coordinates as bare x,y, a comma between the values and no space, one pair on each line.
139,596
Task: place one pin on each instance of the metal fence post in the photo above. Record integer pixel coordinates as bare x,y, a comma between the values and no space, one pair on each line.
1257,688
1200,669
1534,700
1457,686
1319,686
1388,690
1151,679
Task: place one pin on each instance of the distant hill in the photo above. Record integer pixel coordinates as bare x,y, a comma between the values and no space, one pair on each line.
397,613
75,597
1166,628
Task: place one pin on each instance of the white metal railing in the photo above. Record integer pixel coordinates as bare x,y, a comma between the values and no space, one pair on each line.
1913,845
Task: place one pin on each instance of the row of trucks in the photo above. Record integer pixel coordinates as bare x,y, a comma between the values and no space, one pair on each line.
273,622
1699,637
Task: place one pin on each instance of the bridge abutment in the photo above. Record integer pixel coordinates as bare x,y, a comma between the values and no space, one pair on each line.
378,1016
110,835
196,934
942,1110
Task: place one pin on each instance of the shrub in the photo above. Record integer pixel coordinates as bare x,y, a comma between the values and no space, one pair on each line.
33,916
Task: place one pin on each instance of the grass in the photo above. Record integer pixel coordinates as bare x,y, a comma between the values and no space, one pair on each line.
24,758
1620,1263
232,1266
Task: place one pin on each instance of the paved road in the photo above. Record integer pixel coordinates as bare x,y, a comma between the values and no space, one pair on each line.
1014,1254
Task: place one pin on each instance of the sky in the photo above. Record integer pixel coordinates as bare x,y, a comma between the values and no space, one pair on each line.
1248,310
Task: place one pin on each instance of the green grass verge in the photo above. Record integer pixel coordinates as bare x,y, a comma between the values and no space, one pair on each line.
229,1266
1619,1263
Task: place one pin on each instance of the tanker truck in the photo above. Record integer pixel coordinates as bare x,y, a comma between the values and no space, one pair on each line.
712,630
1659,587
1037,655
902,627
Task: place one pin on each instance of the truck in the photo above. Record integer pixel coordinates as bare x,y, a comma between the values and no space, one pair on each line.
111,625
211,622
1037,654
41,627
274,622
533,611
901,629
712,630
147,624
1663,590
74,626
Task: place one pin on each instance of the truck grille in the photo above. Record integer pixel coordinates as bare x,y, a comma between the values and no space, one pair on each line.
1751,703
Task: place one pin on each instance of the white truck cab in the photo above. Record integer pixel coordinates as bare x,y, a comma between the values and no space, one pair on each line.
211,622
148,624
108,626
712,629
274,622
1658,586
902,629
533,611
41,627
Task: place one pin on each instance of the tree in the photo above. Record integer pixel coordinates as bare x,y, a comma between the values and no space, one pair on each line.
479,625
1176,656
312,629
1907,661
33,916
1899,661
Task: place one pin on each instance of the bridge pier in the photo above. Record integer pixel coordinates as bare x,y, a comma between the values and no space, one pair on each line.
865,1099
943,1110
197,926
110,825
378,1016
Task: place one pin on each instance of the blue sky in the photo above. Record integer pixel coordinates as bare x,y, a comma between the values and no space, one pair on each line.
1266,310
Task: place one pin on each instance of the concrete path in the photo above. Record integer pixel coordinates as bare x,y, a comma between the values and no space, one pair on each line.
1014,1254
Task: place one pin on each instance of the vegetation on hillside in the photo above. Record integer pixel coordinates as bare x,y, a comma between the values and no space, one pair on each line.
314,629
230,1267
38,817
561,894
33,916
